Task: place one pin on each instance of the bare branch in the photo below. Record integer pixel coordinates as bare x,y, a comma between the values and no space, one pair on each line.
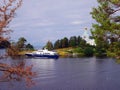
17,73
7,12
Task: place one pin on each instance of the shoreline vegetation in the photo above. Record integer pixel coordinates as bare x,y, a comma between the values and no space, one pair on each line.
73,47
64,52
105,32
69,52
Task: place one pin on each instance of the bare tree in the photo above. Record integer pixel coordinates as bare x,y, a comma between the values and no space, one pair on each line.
7,13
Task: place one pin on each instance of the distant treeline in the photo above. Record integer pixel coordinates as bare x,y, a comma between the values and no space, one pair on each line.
19,46
65,42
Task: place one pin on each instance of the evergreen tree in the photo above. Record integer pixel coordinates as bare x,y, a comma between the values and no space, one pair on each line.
106,31
64,42
82,43
79,39
49,45
29,47
73,41
21,43
57,44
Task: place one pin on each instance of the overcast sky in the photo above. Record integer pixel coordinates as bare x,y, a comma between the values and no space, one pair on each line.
42,20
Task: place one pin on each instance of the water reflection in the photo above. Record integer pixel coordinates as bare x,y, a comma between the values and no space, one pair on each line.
16,70
44,63
45,68
66,74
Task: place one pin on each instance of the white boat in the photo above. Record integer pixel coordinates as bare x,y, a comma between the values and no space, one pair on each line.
43,54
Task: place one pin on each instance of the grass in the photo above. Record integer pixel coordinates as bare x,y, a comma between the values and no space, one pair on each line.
68,52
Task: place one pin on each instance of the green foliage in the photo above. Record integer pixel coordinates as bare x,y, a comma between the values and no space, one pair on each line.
72,46
71,42
21,43
64,42
16,47
29,47
79,39
114,50
78,50
83,43
88,51
100,51
49,45
106,31
57,44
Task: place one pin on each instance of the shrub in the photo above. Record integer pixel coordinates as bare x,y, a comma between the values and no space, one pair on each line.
88,51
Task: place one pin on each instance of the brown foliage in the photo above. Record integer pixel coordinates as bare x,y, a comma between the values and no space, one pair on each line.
7,12
17,73
13,50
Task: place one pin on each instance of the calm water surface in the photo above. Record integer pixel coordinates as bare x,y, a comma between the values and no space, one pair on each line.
69,74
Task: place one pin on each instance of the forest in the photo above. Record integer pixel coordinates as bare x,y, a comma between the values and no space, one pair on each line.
73,45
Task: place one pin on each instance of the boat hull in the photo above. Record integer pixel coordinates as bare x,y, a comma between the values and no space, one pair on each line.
43,56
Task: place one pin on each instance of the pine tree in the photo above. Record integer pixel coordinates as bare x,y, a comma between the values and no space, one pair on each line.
64,42
49,45
57,44
106,31
73,41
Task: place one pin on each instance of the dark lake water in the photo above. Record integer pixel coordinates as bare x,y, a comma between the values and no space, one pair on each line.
69,74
